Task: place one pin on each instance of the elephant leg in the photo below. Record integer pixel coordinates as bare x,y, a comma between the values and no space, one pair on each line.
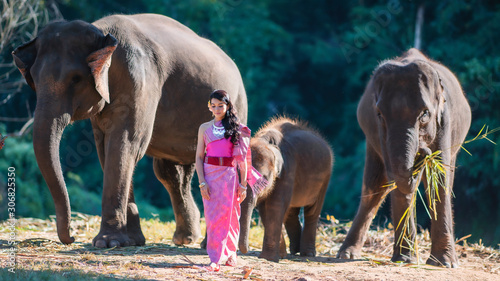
282,242
372,195
311,218
308,241
121,156
274,209
442,234
108,236
405,232
177,180
134,230
293,229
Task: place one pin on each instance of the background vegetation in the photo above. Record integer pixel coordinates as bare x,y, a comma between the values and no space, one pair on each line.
308,59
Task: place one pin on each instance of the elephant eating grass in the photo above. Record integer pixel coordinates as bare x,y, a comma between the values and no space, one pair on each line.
435,173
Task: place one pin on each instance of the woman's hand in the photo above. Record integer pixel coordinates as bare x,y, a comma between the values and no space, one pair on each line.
205,192
242,192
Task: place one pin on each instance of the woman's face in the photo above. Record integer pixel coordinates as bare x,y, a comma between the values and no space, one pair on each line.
218,108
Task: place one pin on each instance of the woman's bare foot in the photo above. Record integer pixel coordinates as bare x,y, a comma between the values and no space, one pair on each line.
213,267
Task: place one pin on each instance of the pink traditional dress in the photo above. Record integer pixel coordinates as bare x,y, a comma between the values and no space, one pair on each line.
222,210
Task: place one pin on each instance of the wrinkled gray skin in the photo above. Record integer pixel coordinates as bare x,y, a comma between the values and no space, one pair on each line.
298,163
411,107
144,81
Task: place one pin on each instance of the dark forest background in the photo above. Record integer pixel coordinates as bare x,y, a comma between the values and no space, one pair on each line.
305,59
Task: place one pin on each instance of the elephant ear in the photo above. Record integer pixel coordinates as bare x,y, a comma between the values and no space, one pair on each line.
99,63
24,58
278,161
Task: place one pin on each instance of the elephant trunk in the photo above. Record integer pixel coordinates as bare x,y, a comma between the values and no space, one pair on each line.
47,132
247,207
403,148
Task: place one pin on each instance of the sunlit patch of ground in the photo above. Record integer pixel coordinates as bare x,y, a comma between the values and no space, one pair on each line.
40,256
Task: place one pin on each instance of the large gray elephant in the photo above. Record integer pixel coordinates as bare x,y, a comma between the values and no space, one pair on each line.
297,162
412,107
143,80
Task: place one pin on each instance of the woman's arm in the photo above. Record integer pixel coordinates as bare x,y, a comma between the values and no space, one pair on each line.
242,188
243,173
200,155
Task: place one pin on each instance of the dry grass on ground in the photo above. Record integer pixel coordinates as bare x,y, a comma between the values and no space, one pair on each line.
40,256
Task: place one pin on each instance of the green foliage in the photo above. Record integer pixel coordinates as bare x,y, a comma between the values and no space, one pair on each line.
82,200
343,194
91,10
32,197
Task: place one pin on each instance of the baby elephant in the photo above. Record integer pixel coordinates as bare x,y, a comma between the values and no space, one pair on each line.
297,162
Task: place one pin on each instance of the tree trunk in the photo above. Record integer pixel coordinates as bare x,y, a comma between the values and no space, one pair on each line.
418,26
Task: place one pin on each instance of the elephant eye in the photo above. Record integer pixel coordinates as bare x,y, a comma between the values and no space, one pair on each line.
76,79
424,117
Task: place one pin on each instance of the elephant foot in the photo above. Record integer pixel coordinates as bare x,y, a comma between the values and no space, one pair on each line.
185,237
136,238
112,240
270,257
294,248
134,230
308,252
403,258
445,260
349,253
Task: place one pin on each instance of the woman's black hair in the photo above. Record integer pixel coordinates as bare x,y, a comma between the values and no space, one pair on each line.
230,121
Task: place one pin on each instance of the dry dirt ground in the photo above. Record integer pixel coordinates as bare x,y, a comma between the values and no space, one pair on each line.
38,251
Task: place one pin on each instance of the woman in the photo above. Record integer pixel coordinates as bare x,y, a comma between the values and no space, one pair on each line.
226,145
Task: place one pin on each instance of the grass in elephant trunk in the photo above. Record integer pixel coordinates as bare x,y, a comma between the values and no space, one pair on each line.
435,173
